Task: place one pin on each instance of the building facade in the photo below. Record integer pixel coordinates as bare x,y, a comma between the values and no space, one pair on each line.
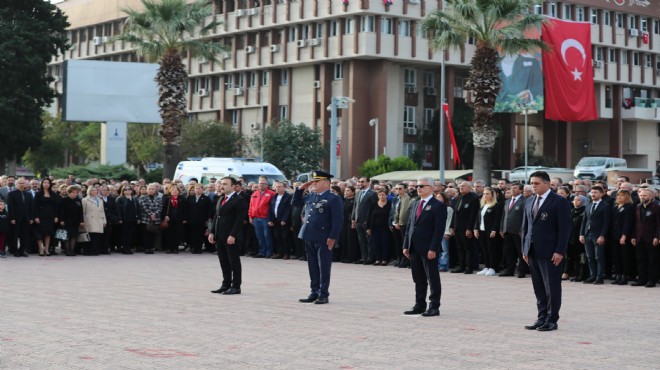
287,58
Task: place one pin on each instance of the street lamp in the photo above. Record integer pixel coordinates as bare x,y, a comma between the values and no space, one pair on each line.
374,123
261,125
336,102
441,146
525,109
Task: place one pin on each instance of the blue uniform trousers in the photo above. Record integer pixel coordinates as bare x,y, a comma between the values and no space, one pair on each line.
319,263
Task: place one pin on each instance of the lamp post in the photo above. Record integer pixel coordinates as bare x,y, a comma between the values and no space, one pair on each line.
441,147
525,109
336,102
261,123
374,123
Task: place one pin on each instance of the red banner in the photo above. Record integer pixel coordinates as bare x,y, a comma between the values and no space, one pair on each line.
454,147
568,72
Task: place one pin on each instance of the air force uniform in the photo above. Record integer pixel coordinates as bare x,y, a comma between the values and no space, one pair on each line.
323,220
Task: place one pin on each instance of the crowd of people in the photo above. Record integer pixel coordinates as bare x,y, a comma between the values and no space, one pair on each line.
615,233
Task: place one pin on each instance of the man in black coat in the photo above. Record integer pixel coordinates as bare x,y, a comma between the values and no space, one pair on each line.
595,228
199,213
226,233
19,203
279,215
647,239
512,216
363,201
465,215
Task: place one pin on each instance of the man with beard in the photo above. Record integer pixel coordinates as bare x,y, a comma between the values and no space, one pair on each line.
363,201
465,216
647,239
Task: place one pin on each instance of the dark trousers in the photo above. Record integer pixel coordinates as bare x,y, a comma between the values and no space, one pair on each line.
596,256
319,264
127,234
350,251
21,230
95,244
425,273
150,237
546,280
464,249
491,249
298,244
281,239
107,238
623,257
647,262
250,243
380,240
510,251
398,242
196,237
230,263
365,242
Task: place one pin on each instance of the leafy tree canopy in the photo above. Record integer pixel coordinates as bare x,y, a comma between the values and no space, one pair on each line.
210,139
386,164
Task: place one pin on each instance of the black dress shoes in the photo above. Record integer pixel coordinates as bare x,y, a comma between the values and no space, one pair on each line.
415,311
310,299
535,325
599,281
220,290
589,281
638,283
321,300
233,291
503,274
467,272
650,285
457,271
548,326
521,276
431,312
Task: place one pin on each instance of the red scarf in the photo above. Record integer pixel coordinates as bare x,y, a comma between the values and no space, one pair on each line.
175,202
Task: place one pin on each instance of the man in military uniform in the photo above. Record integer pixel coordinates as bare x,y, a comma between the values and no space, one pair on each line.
320,230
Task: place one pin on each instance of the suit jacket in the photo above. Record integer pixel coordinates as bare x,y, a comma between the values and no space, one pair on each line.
94,215
283,209
4,192
361,209
512,219
426,233
623,222
403,211
647,222
228,220
199,211
492,219
466,212
550,230
395,206
110,208
597,223
20,205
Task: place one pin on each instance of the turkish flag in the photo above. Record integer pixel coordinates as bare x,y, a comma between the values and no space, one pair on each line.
568,72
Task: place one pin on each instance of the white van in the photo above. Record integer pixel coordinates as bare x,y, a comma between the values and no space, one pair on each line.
596,167
206,168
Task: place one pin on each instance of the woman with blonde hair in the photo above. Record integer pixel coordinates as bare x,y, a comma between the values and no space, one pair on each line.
486,229
623,221
94,218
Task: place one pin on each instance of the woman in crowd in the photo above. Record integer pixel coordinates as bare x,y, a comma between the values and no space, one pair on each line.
128,213
71,218
110,210
45,208
443,261
564,192
174,213
95,221
486,229
623,226
150,216
378,228
348,236
576,260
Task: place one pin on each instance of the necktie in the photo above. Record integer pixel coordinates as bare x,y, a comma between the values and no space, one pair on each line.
23,196
513,200
419,209
224,200
535,210
593,207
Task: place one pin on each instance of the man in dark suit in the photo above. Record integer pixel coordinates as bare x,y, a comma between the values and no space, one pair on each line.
231,212
320,230
19,203
595,227
424,233
363,201
647,239
545,231
199,212
514,209
465,216
279,219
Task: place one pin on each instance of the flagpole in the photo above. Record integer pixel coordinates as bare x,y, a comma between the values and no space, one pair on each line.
441,147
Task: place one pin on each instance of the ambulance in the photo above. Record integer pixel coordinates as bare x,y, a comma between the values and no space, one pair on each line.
204,169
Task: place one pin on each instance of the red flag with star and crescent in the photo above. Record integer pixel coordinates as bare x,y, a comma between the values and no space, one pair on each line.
568,71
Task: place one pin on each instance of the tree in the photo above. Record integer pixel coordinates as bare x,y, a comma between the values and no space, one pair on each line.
494,25
294,149
162,32
32,32
384,164
210,139
144,146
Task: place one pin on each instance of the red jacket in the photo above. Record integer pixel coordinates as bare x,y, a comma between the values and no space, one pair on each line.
260,203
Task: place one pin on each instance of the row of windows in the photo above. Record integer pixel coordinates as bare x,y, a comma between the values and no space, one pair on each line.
236,114
638,59
605,18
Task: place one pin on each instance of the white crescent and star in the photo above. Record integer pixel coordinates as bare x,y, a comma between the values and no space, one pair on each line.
573,43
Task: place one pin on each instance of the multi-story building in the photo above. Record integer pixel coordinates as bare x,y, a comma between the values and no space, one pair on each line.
287,58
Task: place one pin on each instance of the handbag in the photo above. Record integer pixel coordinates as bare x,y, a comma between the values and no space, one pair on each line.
83,238
165,224
61,234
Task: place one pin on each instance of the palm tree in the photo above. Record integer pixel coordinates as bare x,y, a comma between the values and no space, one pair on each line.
495,25
162,32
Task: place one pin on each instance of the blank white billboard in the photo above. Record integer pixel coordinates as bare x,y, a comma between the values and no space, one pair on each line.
97,91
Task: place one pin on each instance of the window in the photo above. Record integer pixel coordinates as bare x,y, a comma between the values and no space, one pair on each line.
410,77
429,79
606,18
599,53
334,26
304,32
580,13
552,9
284,112
619,20
241,80
339,71
229,81
648,61
409,149
293,34
265,76
624,57
612,56
567,11
428,118
632,22
216,83
349,26
253,79
235,117
408,116
386,26
404,28
594,16
319,29
635,58
284,77
538,9
644,25
656,26
368,24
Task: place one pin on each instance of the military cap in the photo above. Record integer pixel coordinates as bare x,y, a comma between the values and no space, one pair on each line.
320,175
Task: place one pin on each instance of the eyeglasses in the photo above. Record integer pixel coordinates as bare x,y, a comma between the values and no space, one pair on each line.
399,189
421,186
